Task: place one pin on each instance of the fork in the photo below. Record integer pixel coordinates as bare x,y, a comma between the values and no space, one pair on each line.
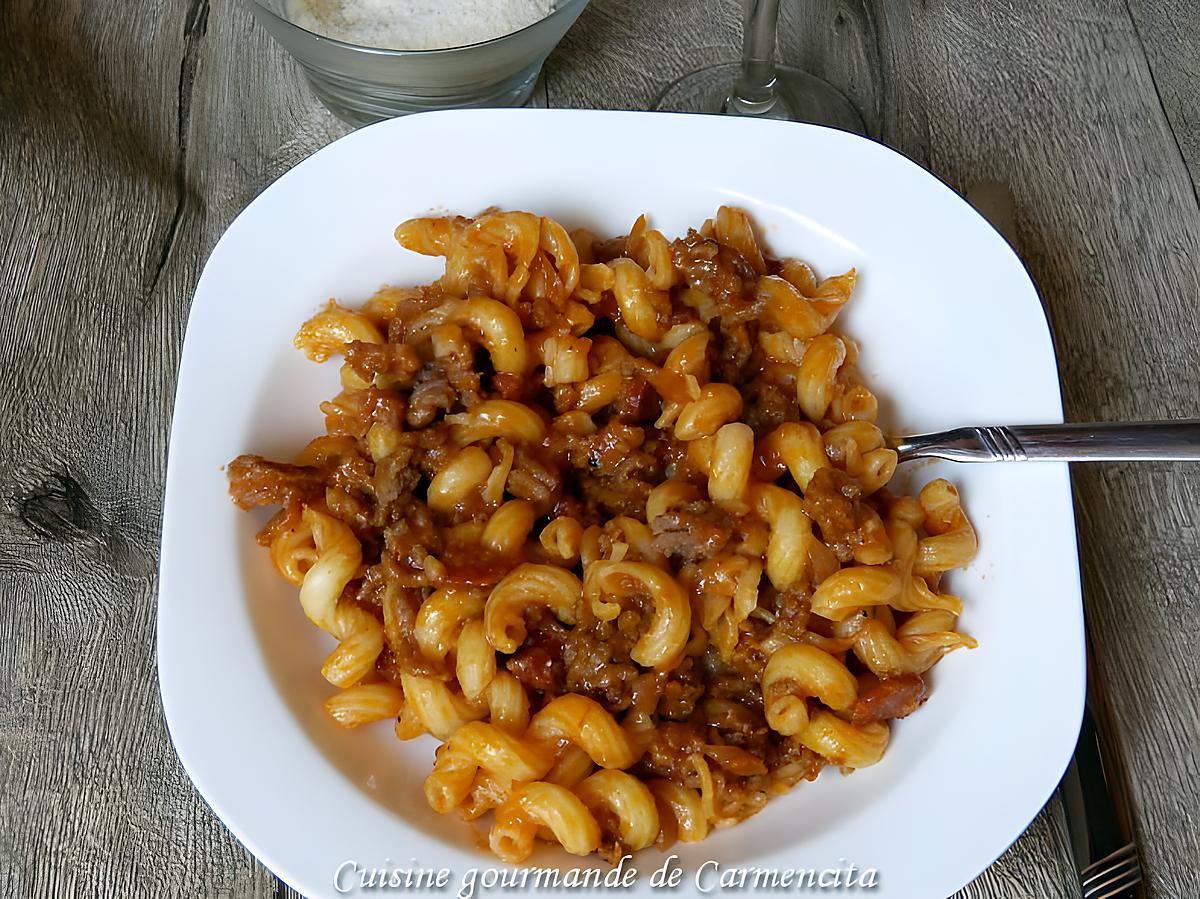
1097,810
1094,802
1100,442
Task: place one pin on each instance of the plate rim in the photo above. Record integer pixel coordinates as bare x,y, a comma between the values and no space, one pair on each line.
167,674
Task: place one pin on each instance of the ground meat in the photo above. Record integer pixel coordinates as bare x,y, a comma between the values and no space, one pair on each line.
537,668
608,497
597,661
705,267
432,393
369,359
669,753
255,481
353,510
538,663
410,540
832,500
683,687
608,250
619,474
737,688
893,697
768,405
396,361
745,665
353,474
396,477
695,531
534,480
413,303
606,450
791,761
570,506
384,407
737,723
507,385
637,400
793,602
465,373
792,608
388,666
735,349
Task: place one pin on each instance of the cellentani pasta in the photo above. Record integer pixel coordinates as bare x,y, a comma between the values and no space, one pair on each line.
610,519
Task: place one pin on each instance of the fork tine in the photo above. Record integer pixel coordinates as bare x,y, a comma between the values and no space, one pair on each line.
1101,878
1123,872
1101,866
1132,879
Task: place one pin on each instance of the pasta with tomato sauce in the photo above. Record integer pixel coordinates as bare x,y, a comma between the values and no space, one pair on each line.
611,520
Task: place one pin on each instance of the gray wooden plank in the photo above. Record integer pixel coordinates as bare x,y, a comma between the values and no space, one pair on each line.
104,142
1169,31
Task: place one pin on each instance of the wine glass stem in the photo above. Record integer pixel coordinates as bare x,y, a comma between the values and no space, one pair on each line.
754,91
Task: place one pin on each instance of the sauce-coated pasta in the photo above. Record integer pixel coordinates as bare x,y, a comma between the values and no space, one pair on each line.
611,520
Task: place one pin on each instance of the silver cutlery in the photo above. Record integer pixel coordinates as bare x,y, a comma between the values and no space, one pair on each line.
1097,810
1101,442
1094,801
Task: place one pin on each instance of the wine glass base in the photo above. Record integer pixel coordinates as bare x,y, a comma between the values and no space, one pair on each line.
799,97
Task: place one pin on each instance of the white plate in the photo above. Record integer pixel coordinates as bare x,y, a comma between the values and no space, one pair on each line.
952,333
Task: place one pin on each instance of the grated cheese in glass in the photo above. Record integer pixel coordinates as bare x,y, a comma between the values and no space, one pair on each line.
416,24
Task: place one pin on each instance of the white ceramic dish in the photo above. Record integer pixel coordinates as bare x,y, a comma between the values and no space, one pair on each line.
952,333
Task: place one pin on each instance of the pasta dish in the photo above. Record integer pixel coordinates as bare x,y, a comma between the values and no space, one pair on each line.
610,519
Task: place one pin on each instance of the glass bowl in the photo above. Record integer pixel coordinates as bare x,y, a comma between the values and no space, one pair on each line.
361,85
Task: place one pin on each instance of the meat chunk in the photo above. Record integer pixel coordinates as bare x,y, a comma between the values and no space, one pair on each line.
637,400
833,501
670,753
893,697
619,473
535,479
737,723
707,266
768,405
735,351
431,393
597,661
683,688
255,481
538,663
615,496
689,534
409,541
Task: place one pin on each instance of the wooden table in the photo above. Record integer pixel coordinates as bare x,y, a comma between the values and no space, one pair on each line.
132,133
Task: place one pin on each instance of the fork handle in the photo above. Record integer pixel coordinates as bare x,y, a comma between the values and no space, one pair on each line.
1103,442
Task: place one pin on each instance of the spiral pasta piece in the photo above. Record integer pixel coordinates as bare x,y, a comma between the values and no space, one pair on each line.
585,723
538,805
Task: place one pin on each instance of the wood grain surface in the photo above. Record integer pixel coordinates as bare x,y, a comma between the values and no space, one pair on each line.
132,132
